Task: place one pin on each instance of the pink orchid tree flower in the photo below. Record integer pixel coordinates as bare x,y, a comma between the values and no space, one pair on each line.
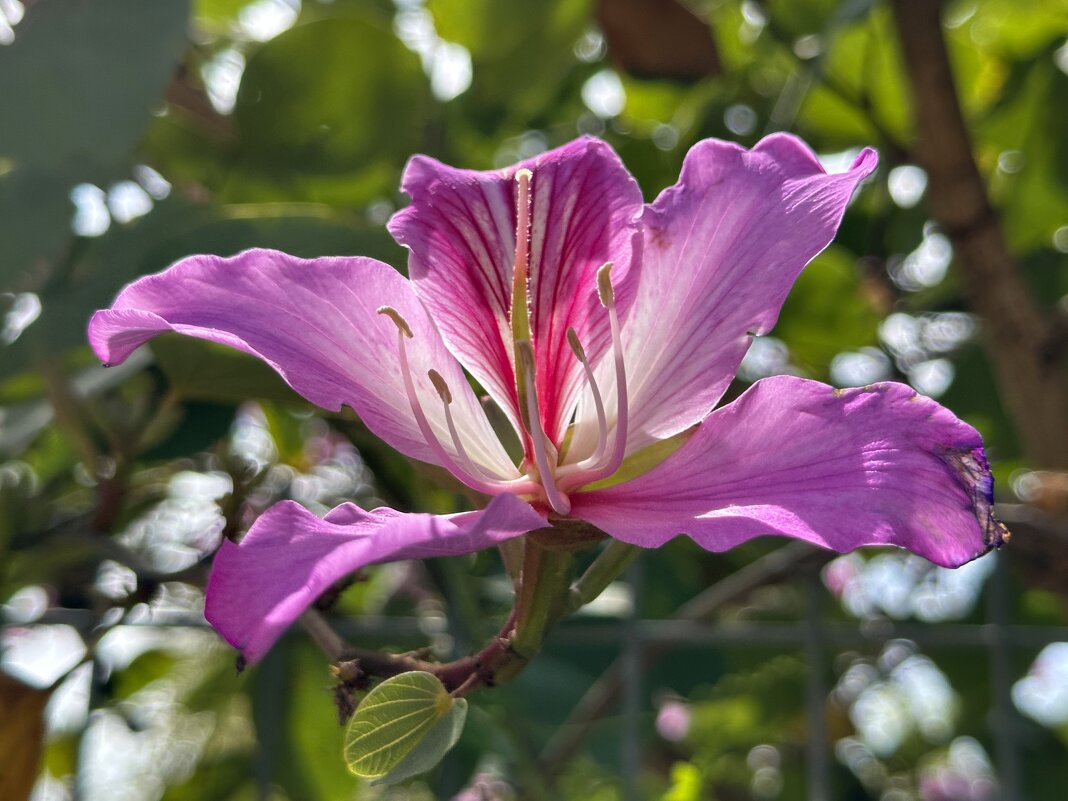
602,328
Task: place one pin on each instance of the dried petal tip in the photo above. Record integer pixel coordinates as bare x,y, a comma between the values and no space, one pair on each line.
399,321
604,284
973,473
440,385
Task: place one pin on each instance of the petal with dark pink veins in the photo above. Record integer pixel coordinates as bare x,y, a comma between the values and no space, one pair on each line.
878,465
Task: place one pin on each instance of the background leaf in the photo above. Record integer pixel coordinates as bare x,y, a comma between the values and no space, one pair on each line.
391,724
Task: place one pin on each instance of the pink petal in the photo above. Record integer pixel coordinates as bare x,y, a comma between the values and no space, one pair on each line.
289,557
722,248
315,322
460,229
837,468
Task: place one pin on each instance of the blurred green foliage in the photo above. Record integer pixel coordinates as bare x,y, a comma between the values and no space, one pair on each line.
135,133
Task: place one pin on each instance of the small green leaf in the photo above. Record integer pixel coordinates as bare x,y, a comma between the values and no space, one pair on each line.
403,727
437,742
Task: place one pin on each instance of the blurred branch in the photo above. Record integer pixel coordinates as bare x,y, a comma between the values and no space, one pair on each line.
69,415
1040,541
355,667
815,71
545,595
1020,337
183,94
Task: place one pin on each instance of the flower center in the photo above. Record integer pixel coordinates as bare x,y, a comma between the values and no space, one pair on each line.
556,480
544,477
536,442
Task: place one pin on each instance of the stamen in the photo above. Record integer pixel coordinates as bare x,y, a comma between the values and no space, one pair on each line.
602,421
466,462
557,500
492,486
440,386
399,321
602,464
604,285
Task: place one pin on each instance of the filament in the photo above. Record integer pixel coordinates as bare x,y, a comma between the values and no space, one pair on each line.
603,463
490,487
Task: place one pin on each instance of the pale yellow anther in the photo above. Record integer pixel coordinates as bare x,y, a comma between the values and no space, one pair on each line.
576,346
399,321
523,173
604,285
440,385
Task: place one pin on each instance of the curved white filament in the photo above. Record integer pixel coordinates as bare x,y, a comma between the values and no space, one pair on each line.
490,487
603,462
516,485
593,459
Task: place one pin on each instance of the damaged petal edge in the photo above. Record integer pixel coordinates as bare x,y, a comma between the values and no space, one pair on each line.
972,470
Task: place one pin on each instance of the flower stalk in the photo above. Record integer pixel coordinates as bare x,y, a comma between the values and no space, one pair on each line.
606,568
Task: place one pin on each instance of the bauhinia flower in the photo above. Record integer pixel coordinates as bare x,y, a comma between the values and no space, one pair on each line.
606,331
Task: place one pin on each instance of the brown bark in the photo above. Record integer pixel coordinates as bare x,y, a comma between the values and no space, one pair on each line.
1020,337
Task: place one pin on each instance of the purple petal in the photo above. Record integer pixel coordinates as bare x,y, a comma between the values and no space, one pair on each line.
722,248
837,468
290,556
316,323
460,229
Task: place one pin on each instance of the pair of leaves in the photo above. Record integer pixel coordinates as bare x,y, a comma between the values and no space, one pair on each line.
402,728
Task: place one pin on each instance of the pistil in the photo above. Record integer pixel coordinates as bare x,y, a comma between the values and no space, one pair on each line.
520,314
557,500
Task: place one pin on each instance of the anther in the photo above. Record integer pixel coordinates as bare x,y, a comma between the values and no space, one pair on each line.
440,385
576,346
399,321
604,285
602,421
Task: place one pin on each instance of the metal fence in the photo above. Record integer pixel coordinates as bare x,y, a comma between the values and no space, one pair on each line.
619,691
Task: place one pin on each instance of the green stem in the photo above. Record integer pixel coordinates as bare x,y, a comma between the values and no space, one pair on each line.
543,598
544,583
606,568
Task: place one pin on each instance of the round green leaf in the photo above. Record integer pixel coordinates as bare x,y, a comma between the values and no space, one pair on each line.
313,103
395,732
437,742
